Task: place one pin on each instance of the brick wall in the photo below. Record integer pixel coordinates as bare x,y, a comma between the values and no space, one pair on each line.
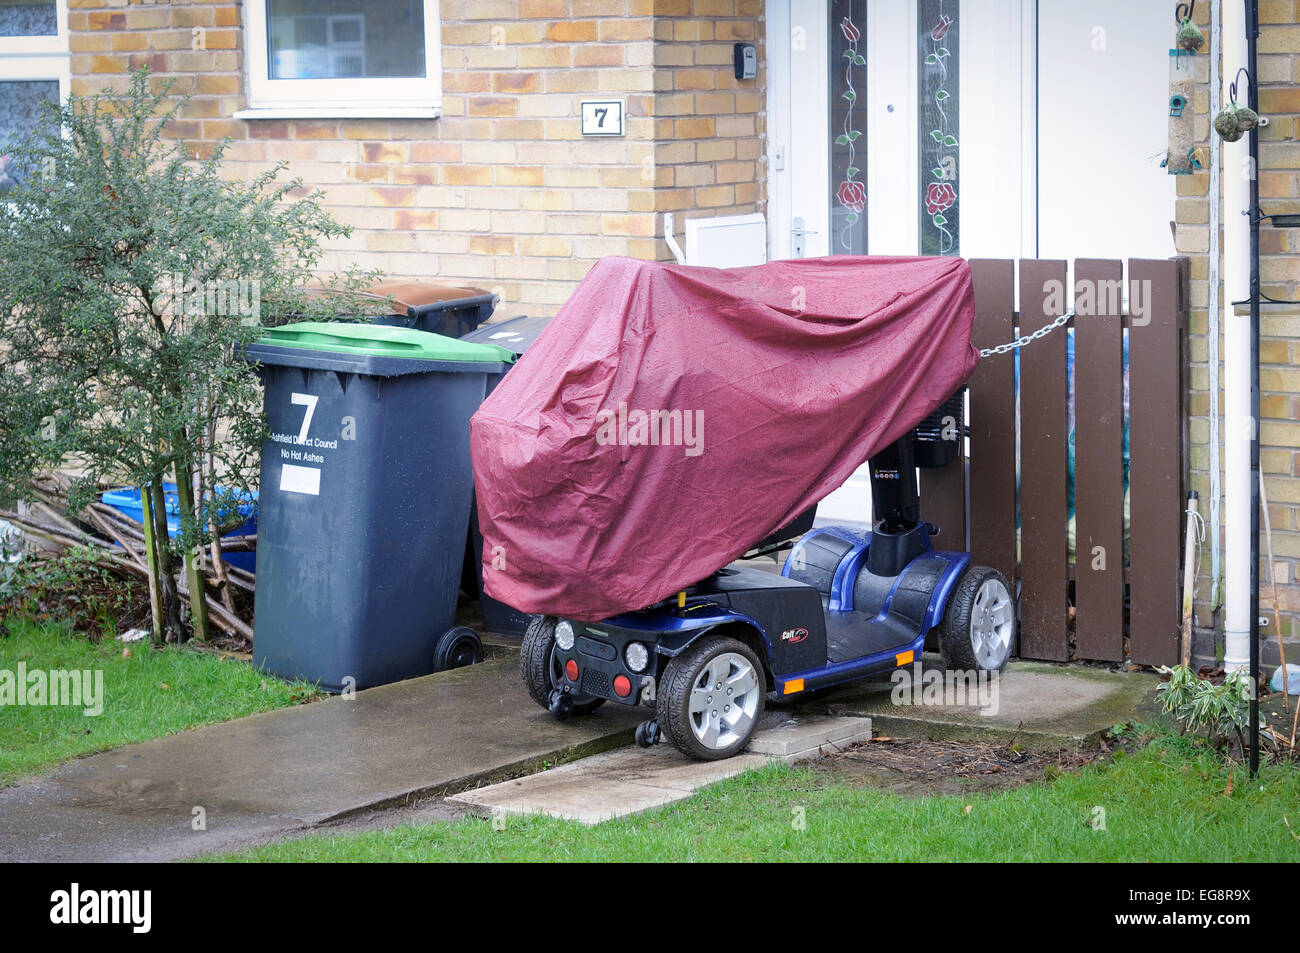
709,126
1279,181
502,191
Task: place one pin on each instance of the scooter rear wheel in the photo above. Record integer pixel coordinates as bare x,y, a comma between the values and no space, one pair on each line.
541,670
711,697
978,632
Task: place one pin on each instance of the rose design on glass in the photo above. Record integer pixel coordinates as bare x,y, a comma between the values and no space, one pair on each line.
939,197
853,196
941,28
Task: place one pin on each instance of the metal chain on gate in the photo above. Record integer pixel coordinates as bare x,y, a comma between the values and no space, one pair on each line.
1019,342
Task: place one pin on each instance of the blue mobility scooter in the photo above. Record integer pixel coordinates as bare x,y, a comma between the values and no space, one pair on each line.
846,605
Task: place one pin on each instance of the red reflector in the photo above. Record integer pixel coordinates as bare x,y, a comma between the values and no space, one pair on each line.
622,687
571,670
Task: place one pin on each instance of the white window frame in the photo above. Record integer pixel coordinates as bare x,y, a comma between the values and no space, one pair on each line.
56,45
370,98
39,58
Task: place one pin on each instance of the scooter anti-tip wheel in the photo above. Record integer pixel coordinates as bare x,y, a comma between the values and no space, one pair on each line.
561,704
648,734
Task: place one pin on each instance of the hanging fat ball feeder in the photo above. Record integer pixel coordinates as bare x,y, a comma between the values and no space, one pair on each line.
1190,37
1235,120
1225,124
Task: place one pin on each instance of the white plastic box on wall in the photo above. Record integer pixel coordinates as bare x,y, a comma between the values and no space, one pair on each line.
731,241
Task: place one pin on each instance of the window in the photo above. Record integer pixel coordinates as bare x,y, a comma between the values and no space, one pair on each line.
33,68
329,58
25,18
20,102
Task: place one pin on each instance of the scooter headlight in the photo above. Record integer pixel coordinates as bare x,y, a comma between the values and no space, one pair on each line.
637,656
564,635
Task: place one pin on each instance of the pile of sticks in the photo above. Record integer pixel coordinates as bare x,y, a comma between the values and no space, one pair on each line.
120,540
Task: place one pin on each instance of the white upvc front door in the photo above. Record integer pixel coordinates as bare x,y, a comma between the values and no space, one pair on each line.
901,127
981,128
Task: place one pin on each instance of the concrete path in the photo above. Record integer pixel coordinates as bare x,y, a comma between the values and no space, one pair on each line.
634,780
290,769
246,781
1057,705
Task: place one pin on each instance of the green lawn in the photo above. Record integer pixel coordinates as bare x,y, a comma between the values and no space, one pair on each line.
150,693
1162,803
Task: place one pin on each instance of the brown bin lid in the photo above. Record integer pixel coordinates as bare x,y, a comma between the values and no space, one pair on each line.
416,294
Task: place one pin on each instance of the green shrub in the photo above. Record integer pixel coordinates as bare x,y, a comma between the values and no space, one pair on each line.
77,587
119,257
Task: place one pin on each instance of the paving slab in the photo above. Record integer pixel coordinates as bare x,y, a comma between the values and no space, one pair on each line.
634,780
802,737
1057,705
294,768
605,786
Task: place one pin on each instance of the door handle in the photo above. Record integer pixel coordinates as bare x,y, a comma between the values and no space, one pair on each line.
797,233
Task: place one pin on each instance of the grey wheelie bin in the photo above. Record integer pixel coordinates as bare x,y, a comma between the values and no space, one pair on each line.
515,335
364,500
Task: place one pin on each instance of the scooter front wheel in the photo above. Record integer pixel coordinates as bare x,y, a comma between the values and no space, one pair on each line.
979,626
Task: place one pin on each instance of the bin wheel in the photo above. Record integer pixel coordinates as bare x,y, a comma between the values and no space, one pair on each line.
457,647
978,630
541,670
711,698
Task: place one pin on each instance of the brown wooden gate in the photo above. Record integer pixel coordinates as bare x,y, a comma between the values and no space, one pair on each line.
1124,608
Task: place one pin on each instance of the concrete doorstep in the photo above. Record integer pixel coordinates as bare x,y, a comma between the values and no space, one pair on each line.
1041,704
634,780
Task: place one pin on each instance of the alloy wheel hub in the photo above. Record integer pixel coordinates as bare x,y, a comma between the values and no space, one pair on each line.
724,700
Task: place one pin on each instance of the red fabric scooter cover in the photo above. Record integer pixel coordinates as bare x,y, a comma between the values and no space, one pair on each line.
670,417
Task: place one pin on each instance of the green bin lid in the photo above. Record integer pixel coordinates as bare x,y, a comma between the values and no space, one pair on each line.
378,340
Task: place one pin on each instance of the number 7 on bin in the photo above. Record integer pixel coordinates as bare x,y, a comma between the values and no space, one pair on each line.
308,401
